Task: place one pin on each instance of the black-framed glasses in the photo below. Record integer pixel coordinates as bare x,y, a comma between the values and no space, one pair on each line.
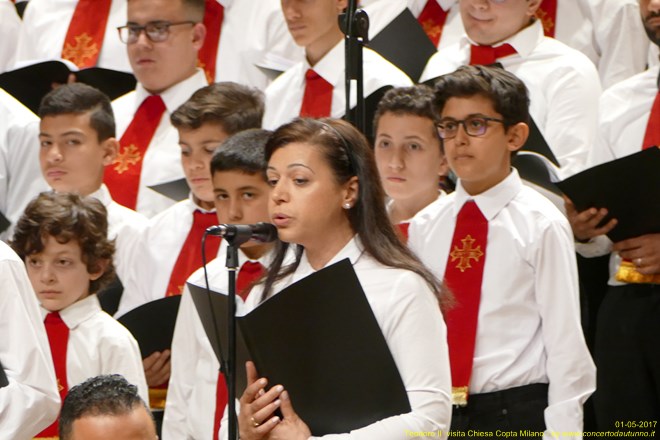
156,31
473,126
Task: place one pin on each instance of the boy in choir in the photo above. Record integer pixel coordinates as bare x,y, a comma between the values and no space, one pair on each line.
197,393
77,137
627,329
30,401
163,38
518,356
63,241
563,83
409,156
315,87
106,407
170,248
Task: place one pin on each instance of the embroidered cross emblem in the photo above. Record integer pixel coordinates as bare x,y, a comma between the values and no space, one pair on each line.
466,254
83,49
207,72
546,21
129,156
431,29
59,386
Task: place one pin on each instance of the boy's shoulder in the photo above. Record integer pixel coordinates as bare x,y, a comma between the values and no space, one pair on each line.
174,213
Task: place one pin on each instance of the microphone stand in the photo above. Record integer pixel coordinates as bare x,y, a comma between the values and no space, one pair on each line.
355,25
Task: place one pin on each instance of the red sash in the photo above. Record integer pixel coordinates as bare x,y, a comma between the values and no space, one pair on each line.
190,255
317,101
249,273
433,19
487,55
652,134
547,13
58,339
123,176
84,38
463,276
206,59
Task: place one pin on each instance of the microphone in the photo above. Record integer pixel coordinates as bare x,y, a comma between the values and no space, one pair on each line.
262,232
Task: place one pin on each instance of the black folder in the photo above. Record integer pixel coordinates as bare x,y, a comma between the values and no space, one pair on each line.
3,377
404,43
320,340
31,83
537,169
176,190
4,222
628,187
152,324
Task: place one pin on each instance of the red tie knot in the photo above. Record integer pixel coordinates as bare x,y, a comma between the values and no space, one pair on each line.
53,318
311,75
486,55
204,219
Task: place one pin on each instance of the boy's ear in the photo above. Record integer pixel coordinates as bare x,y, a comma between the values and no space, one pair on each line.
351,189
199,33
517,136
102,265
110,150
532,7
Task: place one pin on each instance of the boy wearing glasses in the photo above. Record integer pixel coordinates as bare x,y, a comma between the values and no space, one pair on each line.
563,83
518,357
163,38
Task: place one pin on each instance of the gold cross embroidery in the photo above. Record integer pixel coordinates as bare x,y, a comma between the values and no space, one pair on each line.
83,48
128,156
466,254
59,386
431,29
546,20
207,72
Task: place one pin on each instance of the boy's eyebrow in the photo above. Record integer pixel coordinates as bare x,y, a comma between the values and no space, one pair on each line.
66,133
242,188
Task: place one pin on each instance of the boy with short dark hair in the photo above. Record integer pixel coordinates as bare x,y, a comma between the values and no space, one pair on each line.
518,356
241,197
63,240
408,152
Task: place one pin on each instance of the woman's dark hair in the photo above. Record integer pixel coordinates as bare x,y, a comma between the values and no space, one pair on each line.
66,217
347,152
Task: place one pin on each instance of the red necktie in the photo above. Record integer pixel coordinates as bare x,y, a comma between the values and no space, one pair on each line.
249,273
58,339
547,13
214,13
652,135
403,228
487,55
123,176
433,19
317,101
190,255
463,276
84,38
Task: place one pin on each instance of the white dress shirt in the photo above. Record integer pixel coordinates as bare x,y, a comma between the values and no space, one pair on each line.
254,42
529,316
125,226
20,173
45,25
162,160
98,344
409,316
10,25
563,88
31,401
285,95
156,254
191,395
623,114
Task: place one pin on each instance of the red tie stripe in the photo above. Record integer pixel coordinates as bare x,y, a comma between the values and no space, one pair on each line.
123,176
652,134
84,38
317,101
463,276
487,55
433,19
58,339
206,59
547,13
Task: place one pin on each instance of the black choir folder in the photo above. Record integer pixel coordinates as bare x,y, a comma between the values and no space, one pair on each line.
3,377
152,324
320,340
628,187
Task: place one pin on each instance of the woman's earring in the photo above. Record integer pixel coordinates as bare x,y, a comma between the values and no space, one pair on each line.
347,205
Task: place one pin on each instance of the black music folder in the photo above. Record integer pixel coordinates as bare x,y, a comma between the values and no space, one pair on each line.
176,190
31,83
152,324
3,377
628,187
320,340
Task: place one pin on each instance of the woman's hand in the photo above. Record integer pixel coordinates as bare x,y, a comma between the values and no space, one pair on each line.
256,419
291,427
585,223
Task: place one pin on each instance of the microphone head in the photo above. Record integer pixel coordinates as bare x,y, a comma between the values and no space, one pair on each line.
264,232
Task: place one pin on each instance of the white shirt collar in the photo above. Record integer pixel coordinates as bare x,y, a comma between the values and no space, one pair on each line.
493,200
175,95
78,312
524,42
